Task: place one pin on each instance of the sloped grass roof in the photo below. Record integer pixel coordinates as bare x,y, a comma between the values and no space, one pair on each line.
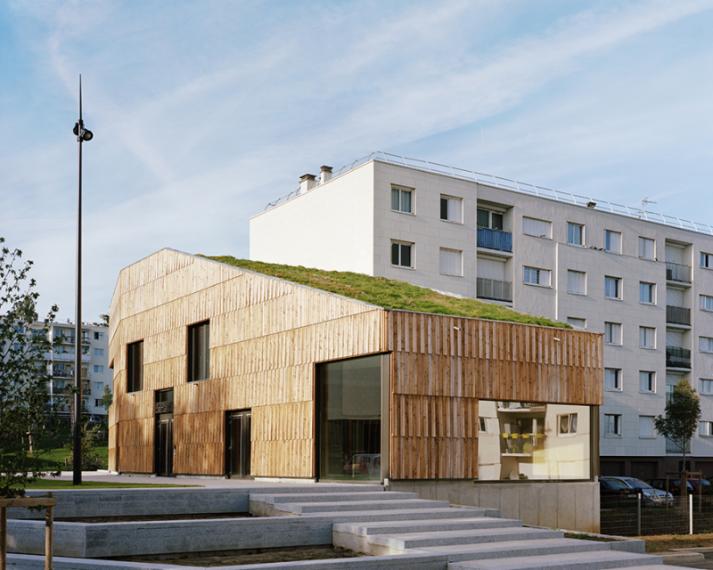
388,293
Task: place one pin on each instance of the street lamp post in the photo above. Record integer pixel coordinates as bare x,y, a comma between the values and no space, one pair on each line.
82,135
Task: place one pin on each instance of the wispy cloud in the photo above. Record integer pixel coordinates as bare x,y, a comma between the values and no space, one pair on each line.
204,114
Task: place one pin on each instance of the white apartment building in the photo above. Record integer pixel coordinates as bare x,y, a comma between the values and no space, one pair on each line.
96,375
642,279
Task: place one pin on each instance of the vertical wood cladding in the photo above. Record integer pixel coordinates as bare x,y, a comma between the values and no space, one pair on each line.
442,366
266,335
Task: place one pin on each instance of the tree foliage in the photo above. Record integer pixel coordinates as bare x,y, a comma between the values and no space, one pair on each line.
23,371
679,423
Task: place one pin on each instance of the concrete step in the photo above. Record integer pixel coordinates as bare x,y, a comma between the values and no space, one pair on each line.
596,560
398,543
340,506
389,527
407,515
512,548
330,497
658,567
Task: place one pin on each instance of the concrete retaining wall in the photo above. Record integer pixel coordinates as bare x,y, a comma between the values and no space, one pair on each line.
99,540
410,561
568,505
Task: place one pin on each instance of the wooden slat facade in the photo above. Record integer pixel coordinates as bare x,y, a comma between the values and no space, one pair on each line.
267,335
442,366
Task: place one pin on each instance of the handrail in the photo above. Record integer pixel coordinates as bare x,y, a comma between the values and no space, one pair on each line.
516,186
47,503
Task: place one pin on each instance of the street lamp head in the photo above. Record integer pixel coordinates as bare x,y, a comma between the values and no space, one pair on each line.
82,134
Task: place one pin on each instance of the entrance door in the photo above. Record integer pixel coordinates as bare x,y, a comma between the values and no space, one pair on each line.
237,443
163,448
164,445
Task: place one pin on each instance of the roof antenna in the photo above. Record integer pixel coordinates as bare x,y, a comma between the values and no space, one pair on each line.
645,201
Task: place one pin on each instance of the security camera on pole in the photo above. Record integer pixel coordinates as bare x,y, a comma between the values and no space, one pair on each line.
82,135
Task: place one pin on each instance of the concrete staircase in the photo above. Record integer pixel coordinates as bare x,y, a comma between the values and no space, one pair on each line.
382,523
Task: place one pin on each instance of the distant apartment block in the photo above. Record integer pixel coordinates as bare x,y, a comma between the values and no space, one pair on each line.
96,375
642,279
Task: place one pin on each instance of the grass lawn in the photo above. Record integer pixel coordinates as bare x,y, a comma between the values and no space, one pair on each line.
62,484
389,293
663,542
61,457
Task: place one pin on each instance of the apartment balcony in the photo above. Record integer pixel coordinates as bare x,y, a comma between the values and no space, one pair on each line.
496,240
678,272
678,315
493,289
65,357
678,357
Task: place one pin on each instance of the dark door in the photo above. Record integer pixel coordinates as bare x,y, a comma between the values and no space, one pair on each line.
164,445
163,452
237,443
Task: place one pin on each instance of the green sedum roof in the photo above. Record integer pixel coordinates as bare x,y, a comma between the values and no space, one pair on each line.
388,293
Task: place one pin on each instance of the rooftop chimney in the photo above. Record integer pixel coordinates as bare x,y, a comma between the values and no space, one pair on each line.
325,173
307,182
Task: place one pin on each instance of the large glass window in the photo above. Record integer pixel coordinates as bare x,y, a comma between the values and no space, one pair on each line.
349,418
533,441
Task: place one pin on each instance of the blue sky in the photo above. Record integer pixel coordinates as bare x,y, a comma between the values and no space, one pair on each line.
205,111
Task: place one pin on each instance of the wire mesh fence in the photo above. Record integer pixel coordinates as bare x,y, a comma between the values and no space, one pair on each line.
636,515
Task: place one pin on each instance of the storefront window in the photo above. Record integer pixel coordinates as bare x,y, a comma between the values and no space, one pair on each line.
524,440
349,418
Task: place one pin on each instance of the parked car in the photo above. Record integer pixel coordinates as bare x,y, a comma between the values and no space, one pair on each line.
631,487
674,485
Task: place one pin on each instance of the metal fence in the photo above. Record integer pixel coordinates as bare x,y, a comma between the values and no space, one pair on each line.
635,516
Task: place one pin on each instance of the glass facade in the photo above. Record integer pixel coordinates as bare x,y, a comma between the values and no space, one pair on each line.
349,418
530,441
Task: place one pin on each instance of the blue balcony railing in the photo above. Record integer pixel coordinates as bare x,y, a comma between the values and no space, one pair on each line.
494,239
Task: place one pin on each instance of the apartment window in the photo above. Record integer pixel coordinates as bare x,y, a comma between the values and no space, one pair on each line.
706,303
98,335
452,209
647,248
612,241
576,282
705,344
706,386
198,351
707,260
612,333
98,352
98,368
536,228
402,253
647,428
575,234
577,322
488,219
647,293
536,276
647,337
612,425
567,424
647,381
402,199
134,366
451,262
612,287
483,427
612,379
98,403
705,428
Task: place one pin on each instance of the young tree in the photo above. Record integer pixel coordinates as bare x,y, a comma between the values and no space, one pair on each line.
23,371
683,411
